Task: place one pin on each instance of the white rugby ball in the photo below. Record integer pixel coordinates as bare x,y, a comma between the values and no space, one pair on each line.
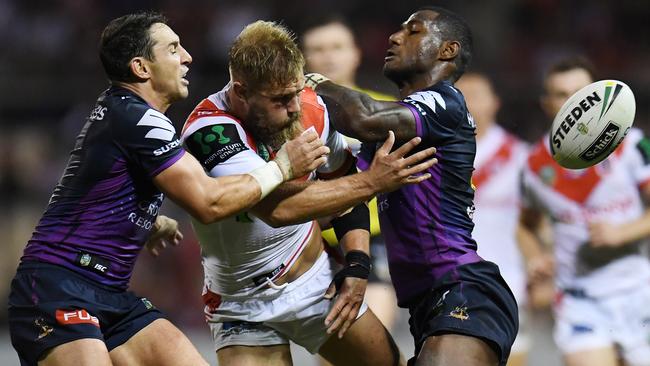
592,123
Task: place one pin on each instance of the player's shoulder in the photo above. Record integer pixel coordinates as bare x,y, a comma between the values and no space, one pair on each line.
442,96
130,116
207,112
314,111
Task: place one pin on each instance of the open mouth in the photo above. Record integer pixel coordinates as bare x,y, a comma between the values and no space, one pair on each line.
389,55
184,80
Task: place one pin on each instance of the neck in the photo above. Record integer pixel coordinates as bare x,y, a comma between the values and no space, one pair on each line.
416,82
146,92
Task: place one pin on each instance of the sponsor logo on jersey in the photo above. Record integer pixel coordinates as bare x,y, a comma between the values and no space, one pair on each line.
147,303
572,117
172,145
81,316
581,329
98,113
602,143
215,144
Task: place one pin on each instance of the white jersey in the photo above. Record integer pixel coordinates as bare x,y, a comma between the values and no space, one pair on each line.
607,192
238,250
499,160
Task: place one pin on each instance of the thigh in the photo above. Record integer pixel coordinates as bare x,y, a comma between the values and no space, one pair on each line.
47,309
159,343
456,349
279,355
631,315
367,342
80,352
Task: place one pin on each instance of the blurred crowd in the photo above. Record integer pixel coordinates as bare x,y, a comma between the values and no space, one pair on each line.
51,75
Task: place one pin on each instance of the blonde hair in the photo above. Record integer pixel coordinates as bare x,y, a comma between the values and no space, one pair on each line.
265,56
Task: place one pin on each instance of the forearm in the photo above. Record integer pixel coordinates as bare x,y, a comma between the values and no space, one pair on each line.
297,202
357,115
529,246
358,239
635,230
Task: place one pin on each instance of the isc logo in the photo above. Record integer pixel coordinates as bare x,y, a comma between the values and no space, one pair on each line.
67,317
100,268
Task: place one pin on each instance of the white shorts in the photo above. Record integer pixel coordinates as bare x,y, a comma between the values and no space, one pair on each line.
623,319
272,317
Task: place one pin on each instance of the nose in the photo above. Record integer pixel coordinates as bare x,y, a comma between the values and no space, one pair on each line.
186,58
294,105
395,39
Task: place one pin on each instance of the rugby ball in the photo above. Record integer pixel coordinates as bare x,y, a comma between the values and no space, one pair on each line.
592,123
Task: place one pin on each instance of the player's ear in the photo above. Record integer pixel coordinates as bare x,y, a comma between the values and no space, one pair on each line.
140,68
239,90
449,50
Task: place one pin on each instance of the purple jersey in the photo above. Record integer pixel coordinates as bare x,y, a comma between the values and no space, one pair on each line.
428,226
103,208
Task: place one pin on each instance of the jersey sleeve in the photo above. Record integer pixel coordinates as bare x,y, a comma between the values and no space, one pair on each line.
152,143
438,113
221,145
636,152
366,155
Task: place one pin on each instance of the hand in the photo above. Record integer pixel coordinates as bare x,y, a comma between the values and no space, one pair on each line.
346,308
301,155
604,235
390,171
164,230
540,268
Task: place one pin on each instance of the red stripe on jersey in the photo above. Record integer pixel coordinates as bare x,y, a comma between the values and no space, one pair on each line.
313,114
575,185
501,157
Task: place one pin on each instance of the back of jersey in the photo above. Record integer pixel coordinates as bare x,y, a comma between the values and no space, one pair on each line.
105,204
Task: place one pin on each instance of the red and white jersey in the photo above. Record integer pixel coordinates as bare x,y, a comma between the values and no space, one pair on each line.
607,192
239,249
499,160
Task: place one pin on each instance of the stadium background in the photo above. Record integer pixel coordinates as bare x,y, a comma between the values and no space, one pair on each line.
50,76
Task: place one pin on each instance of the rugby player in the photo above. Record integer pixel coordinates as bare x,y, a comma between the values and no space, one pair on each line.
600,228
500,157
68,302
331,49
268,280
462,311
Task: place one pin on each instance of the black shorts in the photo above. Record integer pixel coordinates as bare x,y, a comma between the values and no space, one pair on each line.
475,301
50,305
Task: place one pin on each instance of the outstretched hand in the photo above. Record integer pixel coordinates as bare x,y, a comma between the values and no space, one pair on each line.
165,231
392,170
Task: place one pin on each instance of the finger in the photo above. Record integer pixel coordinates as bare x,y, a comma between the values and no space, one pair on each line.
388,144
308,136
334,312
331,291
404,149
348,322
340,319
418,178
317,163
418,168
419,156
321,151
154,251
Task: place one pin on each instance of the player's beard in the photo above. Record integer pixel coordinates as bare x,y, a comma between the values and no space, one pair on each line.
272,137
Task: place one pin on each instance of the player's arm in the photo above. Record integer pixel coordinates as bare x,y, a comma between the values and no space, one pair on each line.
212,199
357,115
296,202
636,156
612,235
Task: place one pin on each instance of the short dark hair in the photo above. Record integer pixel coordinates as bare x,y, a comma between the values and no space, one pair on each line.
123,39
571,63
454,28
